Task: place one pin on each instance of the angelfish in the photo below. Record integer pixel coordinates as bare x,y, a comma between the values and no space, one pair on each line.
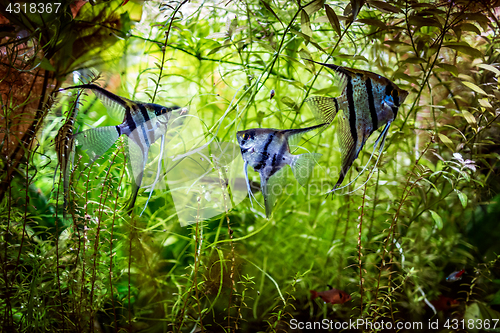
267,151
332,296
143,124
368,101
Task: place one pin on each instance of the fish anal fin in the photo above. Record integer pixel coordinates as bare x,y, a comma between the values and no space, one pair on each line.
303,165
137,157
348,145
324,108
272,188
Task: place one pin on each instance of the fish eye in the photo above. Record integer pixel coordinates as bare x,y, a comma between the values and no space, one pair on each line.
245,136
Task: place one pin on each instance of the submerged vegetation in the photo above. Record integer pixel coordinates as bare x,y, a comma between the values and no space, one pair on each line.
207,260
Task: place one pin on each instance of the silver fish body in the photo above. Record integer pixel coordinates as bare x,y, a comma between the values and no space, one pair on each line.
143,124
267,151
368,102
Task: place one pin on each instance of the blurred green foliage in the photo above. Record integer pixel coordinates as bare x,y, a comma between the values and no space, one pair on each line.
430,208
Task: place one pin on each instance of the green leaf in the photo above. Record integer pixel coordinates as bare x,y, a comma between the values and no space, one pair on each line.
463,198
464,48
305,23
474,87
385,7
314,6
268,7
406,77
419,21
470,27
376,23
470,118
414,60
334,20
490,68
437,219
290,103
446,140
450,68
218,48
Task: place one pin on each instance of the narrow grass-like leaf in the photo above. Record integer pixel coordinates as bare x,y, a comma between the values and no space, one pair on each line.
474,87
490,68
385,7
305,23
268,7
334,20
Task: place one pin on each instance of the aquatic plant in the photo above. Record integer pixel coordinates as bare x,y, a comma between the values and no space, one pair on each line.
430,207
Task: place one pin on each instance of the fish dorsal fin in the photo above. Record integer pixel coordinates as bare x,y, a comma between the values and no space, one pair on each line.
115,105
293,135
324,108
272,188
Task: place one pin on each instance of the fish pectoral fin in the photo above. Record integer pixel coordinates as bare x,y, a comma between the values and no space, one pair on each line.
272,188
303,165
97,141
324,108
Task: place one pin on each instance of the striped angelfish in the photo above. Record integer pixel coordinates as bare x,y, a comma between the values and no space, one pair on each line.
143,124
267,151
368,101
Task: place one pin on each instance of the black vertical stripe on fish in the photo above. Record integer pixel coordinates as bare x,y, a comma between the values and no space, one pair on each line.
265,154
336,104
277,159
146,129
371,104
388,90
129,120
352,109
118,129
395,111
396,100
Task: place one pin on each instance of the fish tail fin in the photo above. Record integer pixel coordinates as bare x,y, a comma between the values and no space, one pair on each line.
314,294
303,165
324,108
97,140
